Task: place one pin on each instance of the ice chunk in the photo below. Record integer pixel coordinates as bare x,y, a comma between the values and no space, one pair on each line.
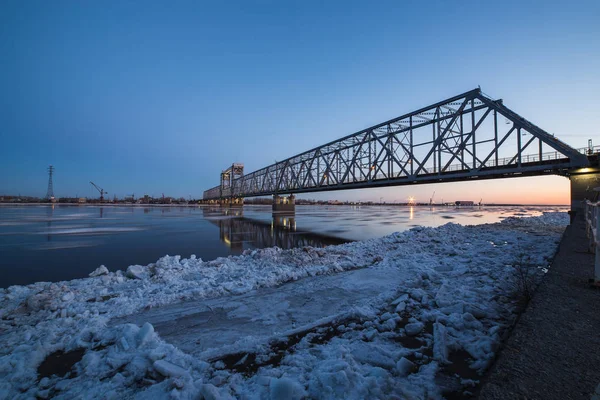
165,368
101,270
386,316
389,325
135,272
211,392
68,296
286,389
401,307
369,334
145,333
440,343
124,343
402,298
417,294
414,328
453,309
404,366
477,311
372,354
444,296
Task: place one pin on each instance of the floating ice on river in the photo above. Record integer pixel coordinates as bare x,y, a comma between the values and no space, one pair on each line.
230,328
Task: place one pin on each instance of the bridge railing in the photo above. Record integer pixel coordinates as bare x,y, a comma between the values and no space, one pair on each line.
528,158
525,158
592,222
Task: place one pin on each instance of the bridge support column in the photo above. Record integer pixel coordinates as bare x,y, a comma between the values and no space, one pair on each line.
284,204
584,181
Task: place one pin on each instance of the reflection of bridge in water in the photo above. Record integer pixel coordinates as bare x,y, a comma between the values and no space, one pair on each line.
240,233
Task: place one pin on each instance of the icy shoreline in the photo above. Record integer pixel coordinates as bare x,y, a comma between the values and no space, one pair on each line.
449,290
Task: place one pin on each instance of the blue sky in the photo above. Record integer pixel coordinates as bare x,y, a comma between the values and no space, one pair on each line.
152,97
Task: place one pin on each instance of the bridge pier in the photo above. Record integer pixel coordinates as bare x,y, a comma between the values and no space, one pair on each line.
583,183
285,204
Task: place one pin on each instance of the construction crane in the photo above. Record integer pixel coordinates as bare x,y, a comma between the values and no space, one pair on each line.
431,199
102,192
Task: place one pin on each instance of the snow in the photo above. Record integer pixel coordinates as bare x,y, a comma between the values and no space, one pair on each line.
372,319
286,389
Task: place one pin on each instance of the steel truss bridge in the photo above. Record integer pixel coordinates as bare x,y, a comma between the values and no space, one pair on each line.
466,137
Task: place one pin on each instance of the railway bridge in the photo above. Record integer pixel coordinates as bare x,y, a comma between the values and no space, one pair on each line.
466,137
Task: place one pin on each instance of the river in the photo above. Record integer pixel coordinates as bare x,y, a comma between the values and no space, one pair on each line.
63,242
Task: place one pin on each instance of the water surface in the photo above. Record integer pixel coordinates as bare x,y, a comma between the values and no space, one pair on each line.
61,242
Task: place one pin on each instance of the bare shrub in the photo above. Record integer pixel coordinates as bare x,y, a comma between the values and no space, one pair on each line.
526,277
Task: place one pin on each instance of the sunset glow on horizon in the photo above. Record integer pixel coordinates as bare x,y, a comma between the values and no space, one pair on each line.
541,190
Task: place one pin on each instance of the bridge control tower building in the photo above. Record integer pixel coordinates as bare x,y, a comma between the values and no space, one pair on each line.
225,193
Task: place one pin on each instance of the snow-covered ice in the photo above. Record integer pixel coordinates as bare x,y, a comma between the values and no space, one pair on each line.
373,319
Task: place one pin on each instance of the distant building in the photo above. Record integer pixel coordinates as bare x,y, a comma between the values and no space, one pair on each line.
81,200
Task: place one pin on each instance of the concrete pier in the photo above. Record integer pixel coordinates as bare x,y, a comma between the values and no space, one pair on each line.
285,204
583,182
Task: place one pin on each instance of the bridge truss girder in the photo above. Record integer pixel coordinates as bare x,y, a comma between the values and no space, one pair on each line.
461,138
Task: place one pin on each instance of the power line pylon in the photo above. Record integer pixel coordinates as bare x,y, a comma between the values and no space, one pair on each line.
50,193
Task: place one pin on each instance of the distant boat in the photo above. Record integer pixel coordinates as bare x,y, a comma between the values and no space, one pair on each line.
464,203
